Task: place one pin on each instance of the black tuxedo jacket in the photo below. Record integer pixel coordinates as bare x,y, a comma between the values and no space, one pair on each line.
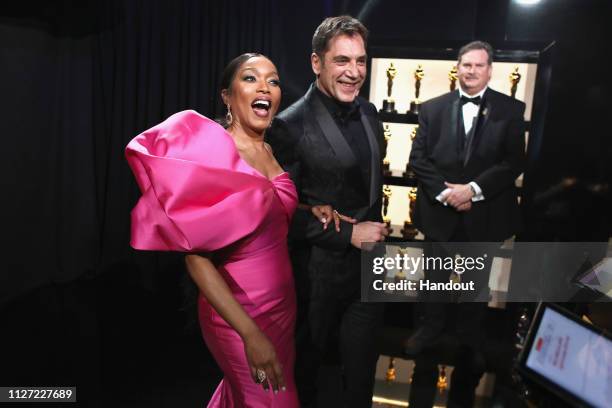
493,159
309,145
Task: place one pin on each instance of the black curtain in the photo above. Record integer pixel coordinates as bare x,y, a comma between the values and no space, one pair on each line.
78,80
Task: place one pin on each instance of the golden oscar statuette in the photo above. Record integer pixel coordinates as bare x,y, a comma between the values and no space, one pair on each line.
401,274
418,76
409,231
386,162
385,206
515,78
442,383
389,103
452,77
390,375
409,173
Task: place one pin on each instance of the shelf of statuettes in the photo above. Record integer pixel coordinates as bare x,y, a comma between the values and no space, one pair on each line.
390,112
413,118
398,233
400,178
409,117
406,232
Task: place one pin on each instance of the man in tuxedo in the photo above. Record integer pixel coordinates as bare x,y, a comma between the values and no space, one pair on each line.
332,144
467,154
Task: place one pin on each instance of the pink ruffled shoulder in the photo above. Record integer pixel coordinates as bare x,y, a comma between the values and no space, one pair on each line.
197,194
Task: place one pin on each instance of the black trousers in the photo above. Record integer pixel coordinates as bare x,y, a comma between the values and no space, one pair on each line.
469,362
463,319
323,319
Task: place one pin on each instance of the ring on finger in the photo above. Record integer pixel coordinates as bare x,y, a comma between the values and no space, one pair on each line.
261,376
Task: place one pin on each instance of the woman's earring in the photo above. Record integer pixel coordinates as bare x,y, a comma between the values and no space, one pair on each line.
228,116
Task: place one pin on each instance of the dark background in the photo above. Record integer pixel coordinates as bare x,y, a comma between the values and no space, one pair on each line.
79,79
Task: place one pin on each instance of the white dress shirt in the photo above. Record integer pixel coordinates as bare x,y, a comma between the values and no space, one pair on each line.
469,110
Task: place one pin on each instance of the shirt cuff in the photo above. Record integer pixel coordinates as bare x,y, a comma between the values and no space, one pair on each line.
478,196
442,196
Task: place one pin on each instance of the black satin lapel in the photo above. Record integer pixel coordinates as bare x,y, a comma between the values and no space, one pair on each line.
481,126
375,178
332,133
451,127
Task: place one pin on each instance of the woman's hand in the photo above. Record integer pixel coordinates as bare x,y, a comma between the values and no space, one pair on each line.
325,214
259,350
261,356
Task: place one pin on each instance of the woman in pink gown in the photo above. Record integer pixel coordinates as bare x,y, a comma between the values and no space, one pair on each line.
222,194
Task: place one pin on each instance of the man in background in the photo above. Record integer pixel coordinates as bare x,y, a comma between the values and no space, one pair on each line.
468,152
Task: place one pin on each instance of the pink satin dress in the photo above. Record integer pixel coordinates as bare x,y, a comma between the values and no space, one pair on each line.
198,195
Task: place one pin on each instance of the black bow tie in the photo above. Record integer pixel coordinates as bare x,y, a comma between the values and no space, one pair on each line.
475,100
346,114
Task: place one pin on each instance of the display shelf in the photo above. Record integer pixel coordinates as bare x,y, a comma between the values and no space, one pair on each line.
410,118
413,119
396,235
396,178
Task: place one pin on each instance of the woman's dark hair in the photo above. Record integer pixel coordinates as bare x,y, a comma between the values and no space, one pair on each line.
229,73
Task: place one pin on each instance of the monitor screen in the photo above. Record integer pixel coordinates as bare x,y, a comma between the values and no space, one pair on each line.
572,356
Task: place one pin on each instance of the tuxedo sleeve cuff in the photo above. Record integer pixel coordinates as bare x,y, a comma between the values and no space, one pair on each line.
442,196
478,196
